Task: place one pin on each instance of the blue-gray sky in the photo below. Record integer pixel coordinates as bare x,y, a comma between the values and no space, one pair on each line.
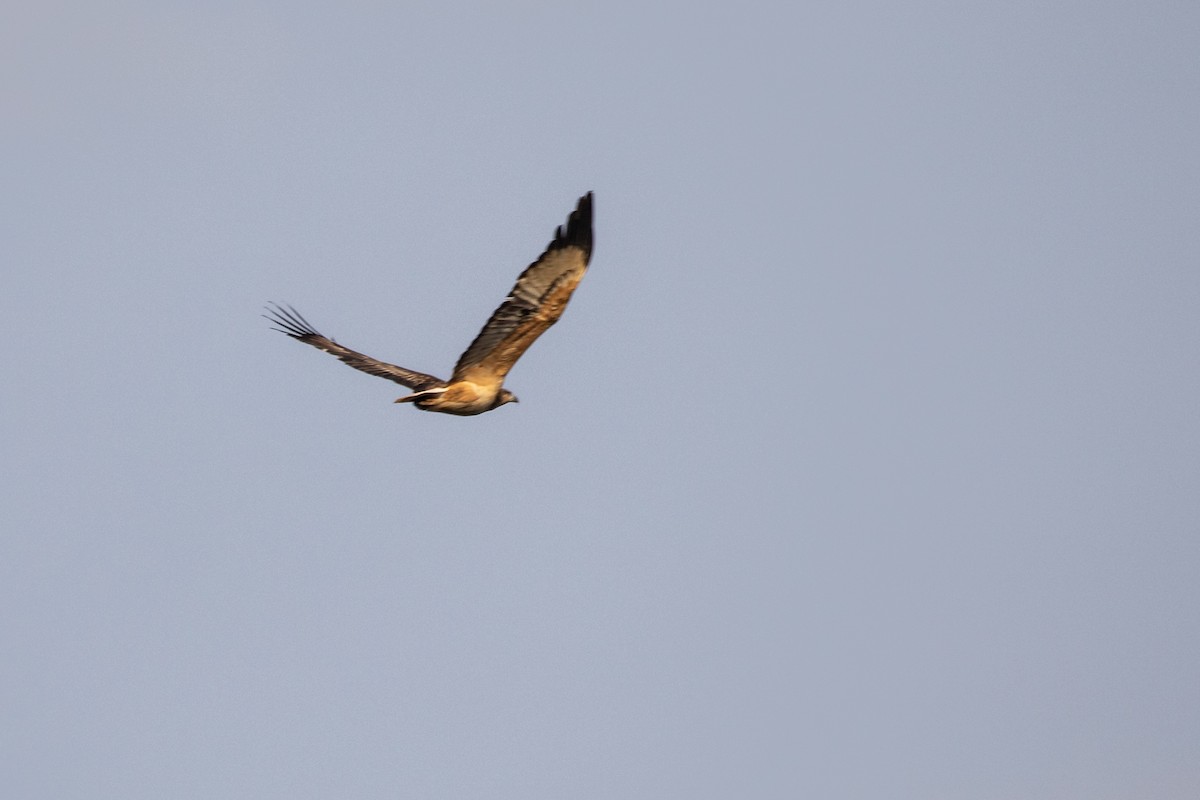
865,462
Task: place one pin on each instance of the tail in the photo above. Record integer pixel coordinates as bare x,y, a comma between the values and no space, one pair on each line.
419,395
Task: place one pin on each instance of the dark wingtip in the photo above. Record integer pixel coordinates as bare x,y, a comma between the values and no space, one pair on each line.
288,321
578,232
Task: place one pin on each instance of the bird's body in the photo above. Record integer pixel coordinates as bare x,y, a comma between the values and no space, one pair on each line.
464,398
477,384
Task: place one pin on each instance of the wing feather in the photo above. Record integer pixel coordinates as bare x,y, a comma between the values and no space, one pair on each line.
535,303
290,322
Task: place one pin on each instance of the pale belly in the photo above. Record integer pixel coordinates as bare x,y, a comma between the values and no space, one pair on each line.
464,398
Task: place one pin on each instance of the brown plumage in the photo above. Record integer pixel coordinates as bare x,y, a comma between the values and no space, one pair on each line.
477,385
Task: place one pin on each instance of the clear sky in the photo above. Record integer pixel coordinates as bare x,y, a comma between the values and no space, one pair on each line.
864,464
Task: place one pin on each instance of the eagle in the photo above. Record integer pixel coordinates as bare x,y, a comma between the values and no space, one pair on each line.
477,385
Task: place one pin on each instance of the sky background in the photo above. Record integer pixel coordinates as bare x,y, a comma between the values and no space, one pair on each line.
864,464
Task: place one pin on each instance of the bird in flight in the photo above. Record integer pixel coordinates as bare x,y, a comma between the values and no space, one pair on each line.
477,384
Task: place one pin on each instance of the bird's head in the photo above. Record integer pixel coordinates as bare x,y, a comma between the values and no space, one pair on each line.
505,396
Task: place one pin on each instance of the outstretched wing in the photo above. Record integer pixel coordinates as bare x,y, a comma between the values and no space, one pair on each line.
534,304
290,322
